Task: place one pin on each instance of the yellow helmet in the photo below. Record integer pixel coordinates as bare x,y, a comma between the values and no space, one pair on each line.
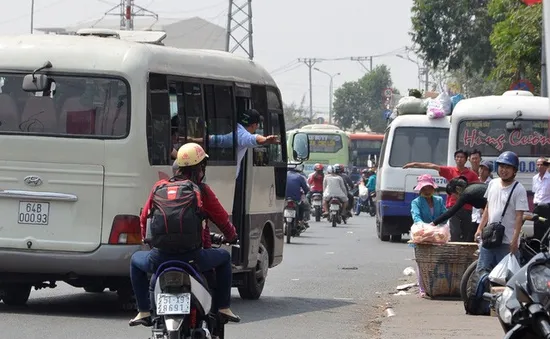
190,154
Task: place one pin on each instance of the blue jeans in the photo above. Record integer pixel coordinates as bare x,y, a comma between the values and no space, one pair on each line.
144,262
489,258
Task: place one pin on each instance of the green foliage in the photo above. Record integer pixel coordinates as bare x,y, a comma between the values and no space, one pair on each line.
516,40
360,103
453,34
296,115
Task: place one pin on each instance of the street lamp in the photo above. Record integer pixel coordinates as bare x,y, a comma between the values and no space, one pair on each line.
332,76
32,16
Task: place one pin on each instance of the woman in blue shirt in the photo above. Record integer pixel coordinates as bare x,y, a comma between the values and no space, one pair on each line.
426,208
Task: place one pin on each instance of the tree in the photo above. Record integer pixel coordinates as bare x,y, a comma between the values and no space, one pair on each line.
473,85
358,104
453,34
516,40
295,115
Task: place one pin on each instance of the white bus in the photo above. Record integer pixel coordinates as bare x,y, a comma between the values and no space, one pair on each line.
78,157
516,121
409,138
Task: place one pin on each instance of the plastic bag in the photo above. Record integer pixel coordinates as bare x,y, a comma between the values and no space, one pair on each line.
439,107
363,191
455,99
505,269
411,105
426,233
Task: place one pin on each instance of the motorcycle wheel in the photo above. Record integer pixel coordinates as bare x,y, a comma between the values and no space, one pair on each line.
465,279
317,214
288,228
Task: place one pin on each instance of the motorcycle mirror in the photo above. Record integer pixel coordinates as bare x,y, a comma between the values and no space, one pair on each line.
521,294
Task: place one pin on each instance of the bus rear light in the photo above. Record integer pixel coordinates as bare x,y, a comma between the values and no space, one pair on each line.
392,195
125,230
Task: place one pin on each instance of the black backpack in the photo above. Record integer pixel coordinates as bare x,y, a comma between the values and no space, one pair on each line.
176,220
477,285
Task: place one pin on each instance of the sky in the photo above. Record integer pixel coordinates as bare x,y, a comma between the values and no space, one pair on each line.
284,30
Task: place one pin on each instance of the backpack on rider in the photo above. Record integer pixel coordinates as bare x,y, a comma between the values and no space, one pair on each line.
175,218
479,283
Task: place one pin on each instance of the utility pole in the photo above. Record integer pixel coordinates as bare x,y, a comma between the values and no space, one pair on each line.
310,62
127,11
361,59
234,25
426,77
32,16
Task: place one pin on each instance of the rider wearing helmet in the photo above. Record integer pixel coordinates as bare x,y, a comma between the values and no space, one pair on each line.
315,180
334,187
349,185
498,192
191,161
355,176
296,185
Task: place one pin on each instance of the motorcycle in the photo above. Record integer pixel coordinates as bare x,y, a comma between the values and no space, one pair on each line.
367,205
335,215
317,205
182,301
292,227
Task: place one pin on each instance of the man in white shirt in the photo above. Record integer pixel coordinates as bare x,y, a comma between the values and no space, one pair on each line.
497,194
541,196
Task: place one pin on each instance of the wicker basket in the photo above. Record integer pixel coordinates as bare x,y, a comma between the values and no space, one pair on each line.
441,266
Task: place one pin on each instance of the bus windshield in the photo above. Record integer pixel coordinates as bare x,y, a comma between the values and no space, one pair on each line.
419,144
364,150
325,143
491,138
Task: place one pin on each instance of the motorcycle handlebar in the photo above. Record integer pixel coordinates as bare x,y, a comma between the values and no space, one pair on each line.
219,239
544,327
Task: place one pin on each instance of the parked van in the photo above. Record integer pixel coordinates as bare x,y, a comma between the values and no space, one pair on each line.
408,138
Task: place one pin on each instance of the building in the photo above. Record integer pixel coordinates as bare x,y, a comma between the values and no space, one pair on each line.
187,33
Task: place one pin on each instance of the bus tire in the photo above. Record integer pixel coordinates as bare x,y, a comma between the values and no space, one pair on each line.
255,281
381,236
15,294
396,238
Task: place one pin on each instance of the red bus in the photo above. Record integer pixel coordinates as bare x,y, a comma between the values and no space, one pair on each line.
365,149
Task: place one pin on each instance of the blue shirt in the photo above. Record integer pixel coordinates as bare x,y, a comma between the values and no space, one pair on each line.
295,183
420,210
371,183
245,140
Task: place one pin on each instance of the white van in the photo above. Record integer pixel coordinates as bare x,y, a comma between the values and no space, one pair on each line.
80,152
409,138
516,121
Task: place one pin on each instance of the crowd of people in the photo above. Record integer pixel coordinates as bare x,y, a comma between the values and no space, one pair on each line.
479,207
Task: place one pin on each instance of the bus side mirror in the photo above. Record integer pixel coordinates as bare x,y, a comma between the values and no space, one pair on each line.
300,147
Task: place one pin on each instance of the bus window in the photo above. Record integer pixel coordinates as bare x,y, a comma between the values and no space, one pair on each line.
276,122
491,138
221,121
159,141
194,112
383,148
419,144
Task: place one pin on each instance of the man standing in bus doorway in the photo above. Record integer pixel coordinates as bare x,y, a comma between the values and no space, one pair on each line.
541,196
461,223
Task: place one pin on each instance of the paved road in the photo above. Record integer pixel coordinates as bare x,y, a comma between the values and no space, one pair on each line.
330,284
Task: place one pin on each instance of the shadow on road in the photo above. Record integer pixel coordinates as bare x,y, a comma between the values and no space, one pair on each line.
277,307
105,306
82,305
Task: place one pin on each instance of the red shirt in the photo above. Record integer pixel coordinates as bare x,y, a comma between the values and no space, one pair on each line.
210,206
450,173
315,182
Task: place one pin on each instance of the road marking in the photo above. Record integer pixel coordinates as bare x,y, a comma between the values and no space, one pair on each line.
345,299
329,253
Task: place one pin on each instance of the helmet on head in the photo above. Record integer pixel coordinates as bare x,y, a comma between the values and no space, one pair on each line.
190,154
318,167
337,169
487,164
508,158
342,168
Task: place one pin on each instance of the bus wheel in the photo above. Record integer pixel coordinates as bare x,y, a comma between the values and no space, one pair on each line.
379,229
256,278
396,238
15,294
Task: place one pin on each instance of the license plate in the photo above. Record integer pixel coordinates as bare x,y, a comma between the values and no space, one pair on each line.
290,214
316,203
334,207
34,213
173,303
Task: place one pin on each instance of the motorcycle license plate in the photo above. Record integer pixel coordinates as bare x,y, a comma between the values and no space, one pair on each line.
334,207
290,214
316,202
173,303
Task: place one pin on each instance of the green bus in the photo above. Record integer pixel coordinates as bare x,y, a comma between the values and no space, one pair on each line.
328,145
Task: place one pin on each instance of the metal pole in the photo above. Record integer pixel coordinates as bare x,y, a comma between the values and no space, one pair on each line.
543,75
310,65
128,23
250,42
370,63
32,16
330,100
426,77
